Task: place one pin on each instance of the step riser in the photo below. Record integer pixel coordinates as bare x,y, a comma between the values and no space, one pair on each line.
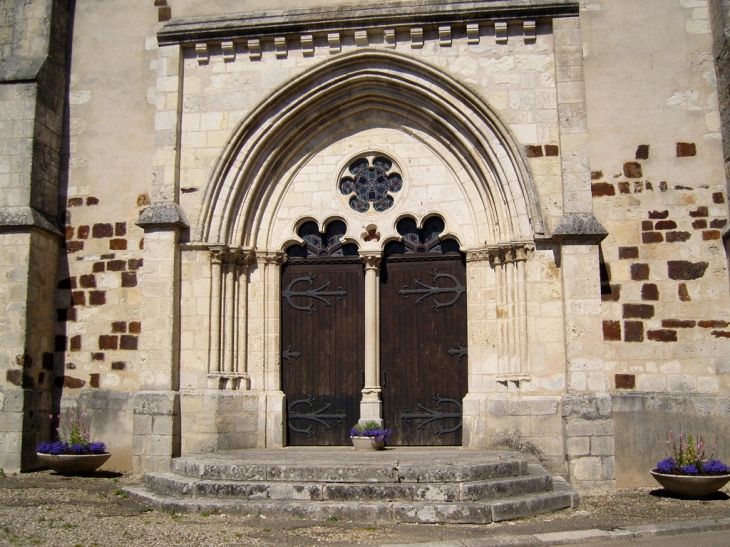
428,513
449,492
354,473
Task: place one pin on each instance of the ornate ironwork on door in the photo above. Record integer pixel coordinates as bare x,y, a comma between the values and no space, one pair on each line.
319,416
430,415
426,290
319,293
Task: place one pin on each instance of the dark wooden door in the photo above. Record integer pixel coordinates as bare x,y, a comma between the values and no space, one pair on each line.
423,348
322,335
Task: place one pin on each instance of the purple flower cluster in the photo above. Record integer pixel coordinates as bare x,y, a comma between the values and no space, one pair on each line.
59,447
711,467
379,434
715,467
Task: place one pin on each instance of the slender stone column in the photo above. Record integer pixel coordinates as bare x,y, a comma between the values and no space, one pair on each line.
214,363
370,405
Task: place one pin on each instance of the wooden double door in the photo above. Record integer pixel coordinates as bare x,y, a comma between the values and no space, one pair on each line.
423,360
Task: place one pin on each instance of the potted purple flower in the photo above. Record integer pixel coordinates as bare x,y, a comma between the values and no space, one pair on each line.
369,436
690,471
75,454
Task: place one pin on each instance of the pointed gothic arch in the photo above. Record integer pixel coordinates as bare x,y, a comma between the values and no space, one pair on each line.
244,191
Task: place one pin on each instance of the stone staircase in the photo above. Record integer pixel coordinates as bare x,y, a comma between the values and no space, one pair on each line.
426,485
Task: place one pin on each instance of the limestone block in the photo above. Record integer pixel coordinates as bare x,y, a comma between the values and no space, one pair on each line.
579,446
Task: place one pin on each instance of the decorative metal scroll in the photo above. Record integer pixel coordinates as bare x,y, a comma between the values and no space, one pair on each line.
318,293
426,290
319,416
288,355
433,415
460,350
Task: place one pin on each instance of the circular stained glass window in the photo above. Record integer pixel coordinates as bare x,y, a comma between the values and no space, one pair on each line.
371,184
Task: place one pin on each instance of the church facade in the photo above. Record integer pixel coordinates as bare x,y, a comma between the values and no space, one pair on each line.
495,223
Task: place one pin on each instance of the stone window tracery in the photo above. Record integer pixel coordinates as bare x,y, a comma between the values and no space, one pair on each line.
371,184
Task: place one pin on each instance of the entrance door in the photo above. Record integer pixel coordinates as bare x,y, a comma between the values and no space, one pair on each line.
322,321
423,342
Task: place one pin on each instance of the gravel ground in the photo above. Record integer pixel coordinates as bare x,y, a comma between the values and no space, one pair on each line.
46,509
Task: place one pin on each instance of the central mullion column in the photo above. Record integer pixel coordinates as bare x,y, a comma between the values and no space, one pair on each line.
371,405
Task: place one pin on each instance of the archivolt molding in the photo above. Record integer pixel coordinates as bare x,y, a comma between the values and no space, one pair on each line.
243,193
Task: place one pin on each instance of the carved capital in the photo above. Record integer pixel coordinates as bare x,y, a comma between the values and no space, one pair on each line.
371,261
480,254
507,253
276,258
219,254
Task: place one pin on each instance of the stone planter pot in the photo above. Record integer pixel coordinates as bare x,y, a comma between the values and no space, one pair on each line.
691,486
367,443
73,464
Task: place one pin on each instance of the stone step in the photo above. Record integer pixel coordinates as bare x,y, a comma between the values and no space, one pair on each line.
536,480
463,512
381,467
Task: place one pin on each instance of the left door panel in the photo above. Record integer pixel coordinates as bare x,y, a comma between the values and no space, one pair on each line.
322,335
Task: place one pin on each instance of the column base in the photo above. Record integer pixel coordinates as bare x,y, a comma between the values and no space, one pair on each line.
371,408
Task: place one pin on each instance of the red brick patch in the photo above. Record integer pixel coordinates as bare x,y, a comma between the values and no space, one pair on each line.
97,298
533,150
116,265
73,383
678,323
665,225
652,237
612,330
628,252
552,150
118,244
633,331
710,235
135,327
599,189
78,298
108,342
685,270
718,223
639,272
662,335
87,281
97,356
686,149
120,229
642,152
647,225
699,212
75,202
69,232
624,187
91,200
74,246
713,324
597,175
632,170
94,380
75,343
128,342
625,381
683,293
102,230
119,326
720,334
98,267
699,224
638,311
119,365
658,215
718,197
129,279
649,291
678,237
83,232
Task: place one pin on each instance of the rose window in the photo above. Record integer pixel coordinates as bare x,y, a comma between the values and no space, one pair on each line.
371,185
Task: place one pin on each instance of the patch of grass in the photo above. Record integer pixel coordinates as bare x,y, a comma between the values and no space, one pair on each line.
70,526
2,473
205,513
120,492
331,519
267,529
102,495
369,528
